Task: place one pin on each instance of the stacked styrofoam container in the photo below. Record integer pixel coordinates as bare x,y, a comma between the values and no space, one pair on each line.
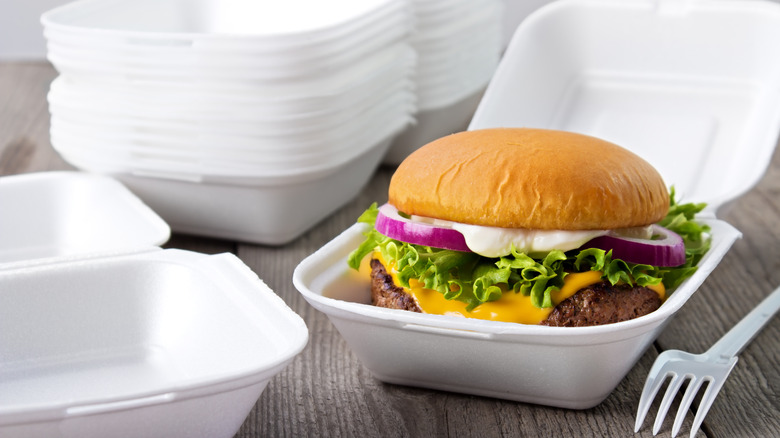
191,102
458,43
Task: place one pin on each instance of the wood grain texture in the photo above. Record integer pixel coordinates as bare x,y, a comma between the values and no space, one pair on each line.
24,119
326,391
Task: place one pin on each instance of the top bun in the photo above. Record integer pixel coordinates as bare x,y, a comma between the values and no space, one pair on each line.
529,178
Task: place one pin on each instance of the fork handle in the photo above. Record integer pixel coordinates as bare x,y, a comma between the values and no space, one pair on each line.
733,342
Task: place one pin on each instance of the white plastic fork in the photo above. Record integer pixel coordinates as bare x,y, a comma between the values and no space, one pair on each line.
713,367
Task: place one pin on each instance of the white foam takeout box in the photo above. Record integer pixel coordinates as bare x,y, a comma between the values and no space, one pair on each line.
103,333
694,87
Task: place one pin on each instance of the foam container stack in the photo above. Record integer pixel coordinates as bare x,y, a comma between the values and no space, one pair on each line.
252,95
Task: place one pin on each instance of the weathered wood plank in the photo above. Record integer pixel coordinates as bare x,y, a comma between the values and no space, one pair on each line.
24,118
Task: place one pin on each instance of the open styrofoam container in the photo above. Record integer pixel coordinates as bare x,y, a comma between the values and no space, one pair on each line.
102,333
660,78
571,367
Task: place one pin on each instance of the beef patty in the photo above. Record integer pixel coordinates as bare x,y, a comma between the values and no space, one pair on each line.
385,293
597,304
602,303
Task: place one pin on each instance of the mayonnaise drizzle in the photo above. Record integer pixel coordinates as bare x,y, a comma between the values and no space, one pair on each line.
498,242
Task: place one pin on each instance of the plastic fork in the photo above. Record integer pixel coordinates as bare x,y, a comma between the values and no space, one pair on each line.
712,367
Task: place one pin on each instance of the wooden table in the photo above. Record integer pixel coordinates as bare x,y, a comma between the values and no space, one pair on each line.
327,392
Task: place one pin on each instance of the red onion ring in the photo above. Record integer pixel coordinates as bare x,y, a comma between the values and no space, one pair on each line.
395,226
668,250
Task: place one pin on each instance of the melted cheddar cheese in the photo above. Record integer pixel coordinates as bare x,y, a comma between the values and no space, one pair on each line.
511,307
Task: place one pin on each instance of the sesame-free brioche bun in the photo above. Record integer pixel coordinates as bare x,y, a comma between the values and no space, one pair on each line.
529,178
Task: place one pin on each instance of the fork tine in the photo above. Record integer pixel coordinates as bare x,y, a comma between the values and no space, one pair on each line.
709,396
652,385
671,392
704,407
685,404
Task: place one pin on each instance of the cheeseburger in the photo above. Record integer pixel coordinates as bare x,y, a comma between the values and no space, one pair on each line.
529,226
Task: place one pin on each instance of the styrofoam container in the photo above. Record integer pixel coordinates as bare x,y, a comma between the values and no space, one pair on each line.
102,333
157,343
674,81
570,367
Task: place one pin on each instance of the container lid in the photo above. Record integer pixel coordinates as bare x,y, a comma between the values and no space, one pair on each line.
691,86
64,213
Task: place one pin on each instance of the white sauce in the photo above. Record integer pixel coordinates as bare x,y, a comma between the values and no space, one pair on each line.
498,242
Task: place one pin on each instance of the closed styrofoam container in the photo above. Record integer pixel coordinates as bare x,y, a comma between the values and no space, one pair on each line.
102,333
155,343
661,78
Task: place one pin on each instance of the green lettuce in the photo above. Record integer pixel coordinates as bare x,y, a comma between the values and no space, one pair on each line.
475,279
